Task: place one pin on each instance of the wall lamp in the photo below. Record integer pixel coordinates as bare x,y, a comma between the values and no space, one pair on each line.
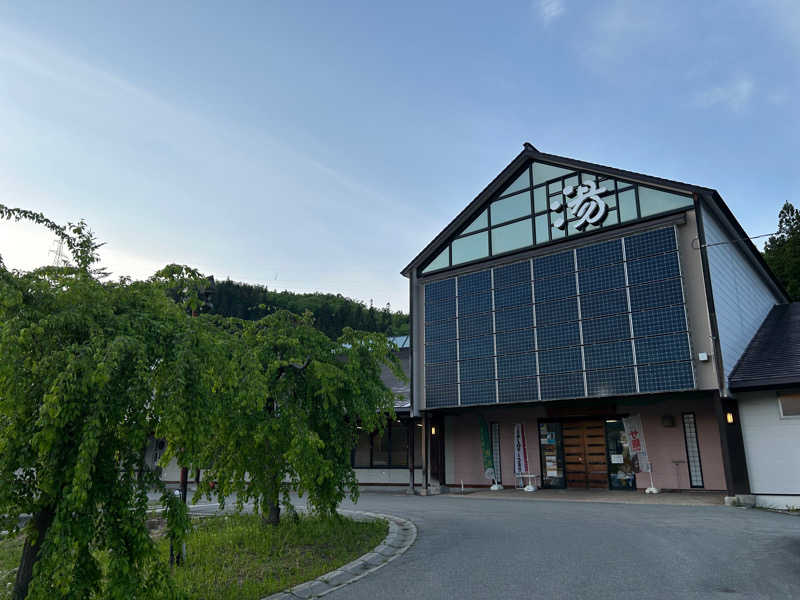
729,417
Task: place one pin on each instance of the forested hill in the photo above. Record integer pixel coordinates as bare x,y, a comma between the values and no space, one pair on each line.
332,312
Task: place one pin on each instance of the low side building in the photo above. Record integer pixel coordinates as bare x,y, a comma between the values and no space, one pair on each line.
766,382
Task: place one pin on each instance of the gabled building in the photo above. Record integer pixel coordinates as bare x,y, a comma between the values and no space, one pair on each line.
590,317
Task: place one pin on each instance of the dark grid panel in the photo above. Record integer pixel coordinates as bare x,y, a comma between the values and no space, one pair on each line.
476,347
512,274
606,329
512,296
613,354
611,381
518,390
474,283
441,374
663,348
604,303
437,311
651,295
477,369
516,365
662,320
441,396
666,377
556,312
441,330
655,268
650,242
478,392
515,341
554,264
692,450
439,290
597,255
476,303
555,287
558,361
563,385
605,278
514,318
475,325
443,352
554,336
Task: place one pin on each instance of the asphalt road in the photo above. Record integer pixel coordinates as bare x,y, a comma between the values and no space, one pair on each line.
492,548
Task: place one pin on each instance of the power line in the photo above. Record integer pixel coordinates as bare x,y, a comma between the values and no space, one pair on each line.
737,240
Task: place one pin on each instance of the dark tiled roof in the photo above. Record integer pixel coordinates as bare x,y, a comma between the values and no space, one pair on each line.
402,405
772,359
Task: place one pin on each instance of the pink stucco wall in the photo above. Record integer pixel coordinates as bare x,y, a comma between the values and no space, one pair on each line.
466,444
665,445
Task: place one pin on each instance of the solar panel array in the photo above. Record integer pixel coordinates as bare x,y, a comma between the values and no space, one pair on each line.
603,319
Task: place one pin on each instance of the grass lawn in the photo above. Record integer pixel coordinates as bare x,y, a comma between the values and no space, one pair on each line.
10,552
235,556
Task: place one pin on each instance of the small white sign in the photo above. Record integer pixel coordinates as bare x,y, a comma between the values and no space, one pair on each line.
616,459
552,473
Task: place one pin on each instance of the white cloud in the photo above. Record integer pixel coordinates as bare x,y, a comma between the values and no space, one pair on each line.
550,10
734,95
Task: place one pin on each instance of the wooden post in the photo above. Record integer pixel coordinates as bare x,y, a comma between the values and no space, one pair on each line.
410,455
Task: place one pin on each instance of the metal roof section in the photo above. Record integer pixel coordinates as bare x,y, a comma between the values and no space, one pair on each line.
772,359
529,154
402,389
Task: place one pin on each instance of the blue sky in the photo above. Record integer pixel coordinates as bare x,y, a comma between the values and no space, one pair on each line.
320,146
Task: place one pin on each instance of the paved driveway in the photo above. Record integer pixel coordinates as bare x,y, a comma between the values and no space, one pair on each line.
498,548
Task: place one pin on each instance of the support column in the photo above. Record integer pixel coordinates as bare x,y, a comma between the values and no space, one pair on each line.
410,437
425,455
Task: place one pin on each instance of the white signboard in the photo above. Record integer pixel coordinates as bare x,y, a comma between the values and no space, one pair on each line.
635,435
520,449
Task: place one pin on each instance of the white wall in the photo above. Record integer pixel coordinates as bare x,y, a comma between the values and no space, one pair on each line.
742,299
387,476
772,448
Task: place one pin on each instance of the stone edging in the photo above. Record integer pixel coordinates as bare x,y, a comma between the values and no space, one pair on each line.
402,533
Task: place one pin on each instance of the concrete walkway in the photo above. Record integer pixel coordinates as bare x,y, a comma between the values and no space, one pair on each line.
616,496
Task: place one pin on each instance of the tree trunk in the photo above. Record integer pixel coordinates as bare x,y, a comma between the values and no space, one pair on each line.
40,523
274,515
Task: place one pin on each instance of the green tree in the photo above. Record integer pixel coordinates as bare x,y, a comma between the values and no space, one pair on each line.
88,370
287,410
782,250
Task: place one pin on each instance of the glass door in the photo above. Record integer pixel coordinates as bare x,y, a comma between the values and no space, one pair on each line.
552,455
620,466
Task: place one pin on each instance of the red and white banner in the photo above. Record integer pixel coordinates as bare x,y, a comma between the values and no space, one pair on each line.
635,435
520,449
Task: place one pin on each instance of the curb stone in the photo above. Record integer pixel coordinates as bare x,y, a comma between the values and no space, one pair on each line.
402,534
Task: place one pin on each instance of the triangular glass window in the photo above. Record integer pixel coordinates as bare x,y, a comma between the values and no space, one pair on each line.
543,172
522,182
480,222
440,262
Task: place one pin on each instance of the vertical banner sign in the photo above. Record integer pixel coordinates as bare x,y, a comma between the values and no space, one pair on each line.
498,476
520,449
486,451
635,435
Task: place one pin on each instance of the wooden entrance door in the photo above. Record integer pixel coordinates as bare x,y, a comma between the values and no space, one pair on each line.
585,454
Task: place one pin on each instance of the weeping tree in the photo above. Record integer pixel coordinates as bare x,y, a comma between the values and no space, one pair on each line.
88,370
287,410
